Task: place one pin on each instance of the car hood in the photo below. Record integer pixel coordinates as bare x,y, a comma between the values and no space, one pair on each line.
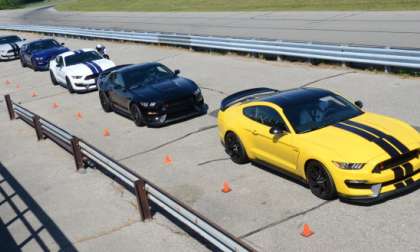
352,147
87,69
167,90
49,53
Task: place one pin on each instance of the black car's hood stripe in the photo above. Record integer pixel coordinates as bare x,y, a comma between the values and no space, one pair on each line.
371,138
401,147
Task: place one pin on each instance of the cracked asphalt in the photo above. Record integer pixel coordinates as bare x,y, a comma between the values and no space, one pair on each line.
265,208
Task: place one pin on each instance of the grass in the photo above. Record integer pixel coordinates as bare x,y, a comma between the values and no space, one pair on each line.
232,5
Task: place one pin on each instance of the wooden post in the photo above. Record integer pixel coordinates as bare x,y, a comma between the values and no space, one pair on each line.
9,105
77,153
142,200
37,127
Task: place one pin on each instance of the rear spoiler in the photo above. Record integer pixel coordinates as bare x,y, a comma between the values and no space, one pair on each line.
243,95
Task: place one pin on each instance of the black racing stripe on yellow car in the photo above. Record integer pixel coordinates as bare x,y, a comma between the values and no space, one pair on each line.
371,138
398,173
408,169
409,181
399,185
400,146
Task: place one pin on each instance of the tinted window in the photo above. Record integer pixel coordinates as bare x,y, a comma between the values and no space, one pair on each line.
268,116
9,39
42,45
264,115
143,76
82,57
320,112
250,112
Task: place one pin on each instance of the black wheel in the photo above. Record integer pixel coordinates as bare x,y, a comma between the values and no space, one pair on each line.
69,86
320,181
137,115
235,149
105,102
53,79
22,63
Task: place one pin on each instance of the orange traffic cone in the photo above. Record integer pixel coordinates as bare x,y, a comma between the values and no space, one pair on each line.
226,188
55,105
34,94
78,115
17,86
306,231
168,160
7,82
106,132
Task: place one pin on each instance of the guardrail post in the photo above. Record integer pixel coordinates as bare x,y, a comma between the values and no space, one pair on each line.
142,200
77,153
37,127
9,105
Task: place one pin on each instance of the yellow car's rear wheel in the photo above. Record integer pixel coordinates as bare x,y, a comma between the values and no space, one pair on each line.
320,182
235,149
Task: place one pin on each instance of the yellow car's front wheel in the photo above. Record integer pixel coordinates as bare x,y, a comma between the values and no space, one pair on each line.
320,182
235,149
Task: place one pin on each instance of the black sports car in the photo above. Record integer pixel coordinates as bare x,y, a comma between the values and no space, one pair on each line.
151,94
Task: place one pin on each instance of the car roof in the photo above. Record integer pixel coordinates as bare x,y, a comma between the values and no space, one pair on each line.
40,40
294,96
138,66
69,53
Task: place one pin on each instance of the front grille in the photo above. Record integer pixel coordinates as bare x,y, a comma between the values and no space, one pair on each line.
397,161
92,76
181,105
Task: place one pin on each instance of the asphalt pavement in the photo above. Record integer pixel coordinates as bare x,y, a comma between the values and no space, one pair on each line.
264,208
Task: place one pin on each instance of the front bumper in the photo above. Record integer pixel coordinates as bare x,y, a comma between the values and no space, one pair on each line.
82,85
376,187
9,56
164,119
42,66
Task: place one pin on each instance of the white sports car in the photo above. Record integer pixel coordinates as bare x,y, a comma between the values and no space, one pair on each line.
10,47
78,70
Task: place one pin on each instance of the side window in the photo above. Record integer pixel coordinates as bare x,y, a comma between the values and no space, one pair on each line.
250,112
118,80
60,61
268,116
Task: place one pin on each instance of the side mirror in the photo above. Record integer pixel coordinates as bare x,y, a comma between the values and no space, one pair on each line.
61,43
176,72
278,130
359,104
24,39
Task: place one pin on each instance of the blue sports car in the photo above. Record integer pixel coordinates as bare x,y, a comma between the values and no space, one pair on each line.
37,54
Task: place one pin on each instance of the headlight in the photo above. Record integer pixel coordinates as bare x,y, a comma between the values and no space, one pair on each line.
77,77
39,58
197,92
349,166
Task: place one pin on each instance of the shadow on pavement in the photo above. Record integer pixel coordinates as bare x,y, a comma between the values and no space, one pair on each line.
47,225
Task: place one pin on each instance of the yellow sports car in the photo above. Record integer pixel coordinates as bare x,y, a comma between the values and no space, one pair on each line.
323,139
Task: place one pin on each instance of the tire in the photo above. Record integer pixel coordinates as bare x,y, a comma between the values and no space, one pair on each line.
137,116
105,102
53,79
69,86
23,63
235,149
320,182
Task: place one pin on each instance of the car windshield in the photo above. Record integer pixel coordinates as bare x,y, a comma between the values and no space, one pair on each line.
9,39
146,76
42,45
320,112
81,57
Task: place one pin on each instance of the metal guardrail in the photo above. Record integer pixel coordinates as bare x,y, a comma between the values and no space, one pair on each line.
145,190
368,55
